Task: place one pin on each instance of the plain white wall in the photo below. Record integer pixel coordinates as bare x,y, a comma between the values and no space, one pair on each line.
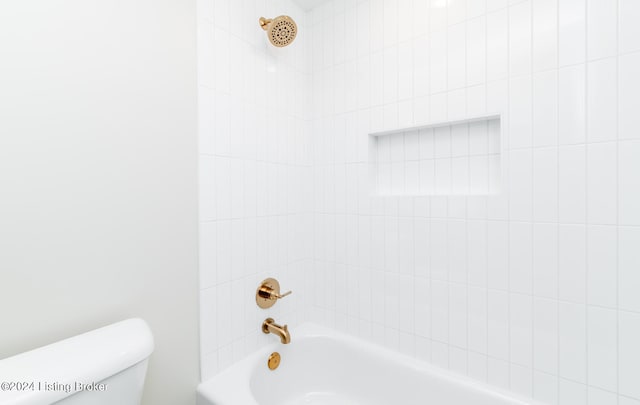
98,177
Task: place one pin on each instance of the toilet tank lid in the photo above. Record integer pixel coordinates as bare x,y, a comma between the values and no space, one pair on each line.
86,358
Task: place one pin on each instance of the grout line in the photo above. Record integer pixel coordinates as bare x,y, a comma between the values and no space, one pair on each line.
447,250
558,203
466,222
531,167
507,196
486,217
617,131
586,195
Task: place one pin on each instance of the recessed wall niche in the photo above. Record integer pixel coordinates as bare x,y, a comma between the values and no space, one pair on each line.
449,158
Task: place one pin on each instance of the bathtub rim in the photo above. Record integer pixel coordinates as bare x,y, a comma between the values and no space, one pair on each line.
235,381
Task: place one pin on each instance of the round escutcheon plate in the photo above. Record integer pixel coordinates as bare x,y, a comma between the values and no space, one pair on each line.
274,361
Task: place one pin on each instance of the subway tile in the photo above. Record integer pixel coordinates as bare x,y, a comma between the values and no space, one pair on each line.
207,254
629,354
405,71
421,61
520,33
598,396
422,310
477,320
602,183
498,97
497,255
457,242
545,335
392,300
521,380
602,337
572,31
476,49
477,252
437,15
545,34
208,331
420,17
497,45
498,325
498,373
456,56
602,102
545,388
438,62
627,401
545,108
440,354
456,11
459,140
376,18
207,189
476,101
602,264
572,263
629,33
572,342
456,104
545,185
520,258
496,4
520,110
572,184
438,107
628,90
628,265
478,175
545,260
363,25
602,28
478,366
521,329
572,393
440,311
628,183
390,60
458,315
572,105
520,185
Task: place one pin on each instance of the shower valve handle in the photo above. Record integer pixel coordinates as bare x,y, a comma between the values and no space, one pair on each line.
268,293
278,296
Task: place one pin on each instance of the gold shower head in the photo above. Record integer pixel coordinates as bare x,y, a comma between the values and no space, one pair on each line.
281,30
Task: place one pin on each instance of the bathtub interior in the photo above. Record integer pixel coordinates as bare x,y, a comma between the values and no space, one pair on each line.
323,369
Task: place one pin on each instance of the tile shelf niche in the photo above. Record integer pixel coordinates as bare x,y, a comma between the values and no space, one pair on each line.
461,157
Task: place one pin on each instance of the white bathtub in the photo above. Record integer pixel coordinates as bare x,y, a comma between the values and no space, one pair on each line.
324,367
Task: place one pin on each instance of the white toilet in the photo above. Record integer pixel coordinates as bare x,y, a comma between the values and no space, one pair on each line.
106,366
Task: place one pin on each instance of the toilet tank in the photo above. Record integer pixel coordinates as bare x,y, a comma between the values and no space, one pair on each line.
106,366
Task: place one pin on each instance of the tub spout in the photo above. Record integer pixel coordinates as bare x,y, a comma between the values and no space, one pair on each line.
270,326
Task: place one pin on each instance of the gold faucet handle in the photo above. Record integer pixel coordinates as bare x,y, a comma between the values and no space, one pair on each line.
268,293
278,296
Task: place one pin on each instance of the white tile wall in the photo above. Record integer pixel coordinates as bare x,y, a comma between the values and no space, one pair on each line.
535,288
255,174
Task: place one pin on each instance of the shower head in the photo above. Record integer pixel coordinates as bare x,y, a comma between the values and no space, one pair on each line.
281,30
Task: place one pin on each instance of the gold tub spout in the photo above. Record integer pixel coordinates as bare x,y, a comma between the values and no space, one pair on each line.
270,326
